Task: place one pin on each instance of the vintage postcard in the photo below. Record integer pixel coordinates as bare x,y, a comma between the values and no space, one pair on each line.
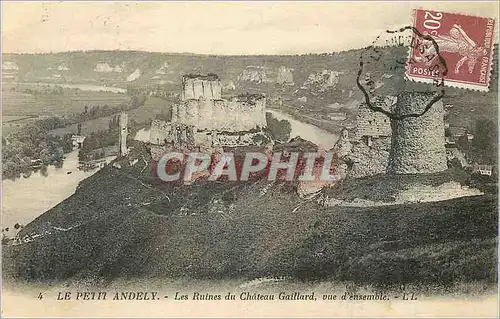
249,159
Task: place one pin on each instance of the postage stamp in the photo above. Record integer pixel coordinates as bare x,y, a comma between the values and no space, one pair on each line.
465,42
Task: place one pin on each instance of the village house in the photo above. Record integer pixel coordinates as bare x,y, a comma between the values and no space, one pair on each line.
453,152
77,141
485,170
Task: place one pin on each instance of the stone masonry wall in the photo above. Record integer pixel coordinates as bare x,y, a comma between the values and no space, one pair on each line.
234,115
370,123
123,124
418,143
171,133
207,87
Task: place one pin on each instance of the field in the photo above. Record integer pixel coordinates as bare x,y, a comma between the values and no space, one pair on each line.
42,101
151,108
11,123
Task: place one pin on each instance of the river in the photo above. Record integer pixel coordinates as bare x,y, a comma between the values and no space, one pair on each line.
318,136
83,87
24,199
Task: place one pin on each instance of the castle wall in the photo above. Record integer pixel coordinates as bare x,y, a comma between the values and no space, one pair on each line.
418,143
237,114
370,123
175,112
123,124
169,133
216,139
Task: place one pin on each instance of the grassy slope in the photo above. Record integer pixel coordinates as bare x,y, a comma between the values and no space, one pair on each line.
384,187
250,233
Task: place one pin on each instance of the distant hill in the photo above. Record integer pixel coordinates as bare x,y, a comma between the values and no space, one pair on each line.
163,69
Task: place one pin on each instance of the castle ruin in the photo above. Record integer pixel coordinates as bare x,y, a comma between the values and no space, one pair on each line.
418,142
195,87
402,144
122,139
202,120
240,113
203,107
371,125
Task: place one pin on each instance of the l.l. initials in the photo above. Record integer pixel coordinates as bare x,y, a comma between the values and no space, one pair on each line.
409,297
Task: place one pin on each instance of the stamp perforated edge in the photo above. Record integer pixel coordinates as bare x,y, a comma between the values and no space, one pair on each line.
452,83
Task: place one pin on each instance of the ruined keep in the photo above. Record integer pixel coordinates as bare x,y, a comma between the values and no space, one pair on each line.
240,113
418,143
195,87
204,121
203,107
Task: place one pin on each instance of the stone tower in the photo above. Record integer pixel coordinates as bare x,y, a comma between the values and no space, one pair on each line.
418,143
122,138
195,87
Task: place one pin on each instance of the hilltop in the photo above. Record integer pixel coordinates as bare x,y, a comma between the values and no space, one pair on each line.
122,223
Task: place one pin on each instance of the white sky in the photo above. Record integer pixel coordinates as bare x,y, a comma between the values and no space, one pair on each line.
210,28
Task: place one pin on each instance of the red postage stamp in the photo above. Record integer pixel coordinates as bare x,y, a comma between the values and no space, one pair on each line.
464,42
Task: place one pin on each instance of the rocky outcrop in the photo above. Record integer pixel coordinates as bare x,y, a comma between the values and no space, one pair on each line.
254,74
134,75
9,66
163,69
285,76
103,67
62,67
322,81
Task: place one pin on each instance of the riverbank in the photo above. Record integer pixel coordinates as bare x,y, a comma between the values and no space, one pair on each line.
323,138
326,125
24,199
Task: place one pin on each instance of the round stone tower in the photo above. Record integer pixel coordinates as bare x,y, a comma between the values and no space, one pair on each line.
418,143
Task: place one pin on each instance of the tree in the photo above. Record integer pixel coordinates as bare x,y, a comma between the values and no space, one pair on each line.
484,144
279,130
